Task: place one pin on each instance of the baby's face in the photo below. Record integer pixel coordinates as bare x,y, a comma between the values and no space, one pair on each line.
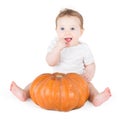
68,29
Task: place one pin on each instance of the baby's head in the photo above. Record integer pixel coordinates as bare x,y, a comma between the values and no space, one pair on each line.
69,26
70,13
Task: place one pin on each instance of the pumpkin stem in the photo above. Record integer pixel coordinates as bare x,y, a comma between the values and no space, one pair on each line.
59,75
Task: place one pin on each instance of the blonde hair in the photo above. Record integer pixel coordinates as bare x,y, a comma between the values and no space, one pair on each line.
70,12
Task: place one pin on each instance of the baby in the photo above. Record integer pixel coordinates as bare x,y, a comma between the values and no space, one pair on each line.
67,54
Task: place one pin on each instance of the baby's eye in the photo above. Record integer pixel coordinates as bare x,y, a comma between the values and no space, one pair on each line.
72,28
62,28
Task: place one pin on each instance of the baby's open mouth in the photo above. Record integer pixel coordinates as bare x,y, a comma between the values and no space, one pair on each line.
68,39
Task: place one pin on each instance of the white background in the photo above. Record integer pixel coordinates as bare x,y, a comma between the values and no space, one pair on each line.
26,29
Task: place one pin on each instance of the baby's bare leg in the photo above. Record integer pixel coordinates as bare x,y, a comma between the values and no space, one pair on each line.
98,98
22,94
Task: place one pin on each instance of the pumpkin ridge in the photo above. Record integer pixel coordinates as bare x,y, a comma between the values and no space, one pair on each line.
76,80
41,90
56,95
75,87
40,79
60,94
35,85
64,94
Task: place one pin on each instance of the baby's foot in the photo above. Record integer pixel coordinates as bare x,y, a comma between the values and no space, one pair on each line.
18,92
102,97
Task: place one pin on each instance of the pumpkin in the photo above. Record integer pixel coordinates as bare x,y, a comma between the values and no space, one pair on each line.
59,91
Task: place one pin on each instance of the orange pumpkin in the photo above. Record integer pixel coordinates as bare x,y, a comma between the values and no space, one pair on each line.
58,91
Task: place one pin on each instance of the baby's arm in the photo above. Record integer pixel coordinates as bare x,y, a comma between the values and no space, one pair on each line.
89,72
53,56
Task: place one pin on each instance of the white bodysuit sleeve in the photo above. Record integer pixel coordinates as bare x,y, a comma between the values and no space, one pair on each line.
88,56
52,45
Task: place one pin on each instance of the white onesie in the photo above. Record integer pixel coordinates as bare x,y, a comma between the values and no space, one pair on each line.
73,59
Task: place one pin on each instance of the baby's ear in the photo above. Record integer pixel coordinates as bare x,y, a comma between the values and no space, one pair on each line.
82,30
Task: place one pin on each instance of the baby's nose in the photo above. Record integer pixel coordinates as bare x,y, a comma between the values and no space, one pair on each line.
67,32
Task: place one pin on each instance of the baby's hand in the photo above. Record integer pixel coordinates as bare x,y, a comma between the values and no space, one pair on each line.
87,76
61,44
89,72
